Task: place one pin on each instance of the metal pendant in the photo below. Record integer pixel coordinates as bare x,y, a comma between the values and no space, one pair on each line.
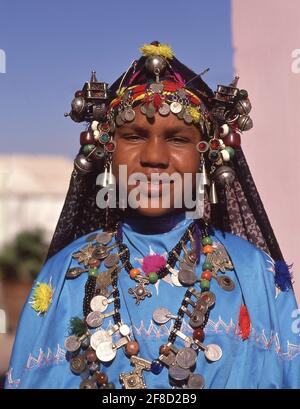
162,315
186,358
84,255
111,260
150,111
129,114
164,110
104,238
75,272
213,352
226,283
140,292
187,277
220,259
94,319
135,379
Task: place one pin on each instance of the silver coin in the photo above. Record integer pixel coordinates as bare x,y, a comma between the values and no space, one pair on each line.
105,352
201,306
213,352
187,277
175,280
104,238
178,374
195,381
124,330
156,87
78,364
150,112
75,272
143,109
187,118
175,107
119,120
91,237
196,319
186,265
72,343
160,315
88,384
209,298
98,337
164,109
111,260
129,115
186,358
181,114
99,303
226,283
94,319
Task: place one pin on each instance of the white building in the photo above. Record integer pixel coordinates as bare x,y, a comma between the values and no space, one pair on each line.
32,193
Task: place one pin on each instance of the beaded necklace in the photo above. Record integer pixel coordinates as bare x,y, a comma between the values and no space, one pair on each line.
87,349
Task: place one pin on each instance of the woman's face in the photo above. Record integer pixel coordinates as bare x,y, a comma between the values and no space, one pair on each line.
162,145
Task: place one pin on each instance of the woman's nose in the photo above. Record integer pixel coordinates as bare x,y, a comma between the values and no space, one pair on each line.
155,154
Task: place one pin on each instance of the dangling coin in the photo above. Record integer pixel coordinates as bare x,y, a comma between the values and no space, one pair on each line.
213,352
94,319
196,319
175,107
129,115
98,337
111,260
72,343
187,277
156,87
226,283
119,120
143,109
160,315
78,364
105,352
88,384
195,382
150,112
124,330
104,238
164,109
99,303
187,118
178,374
186,358
201,306
181,114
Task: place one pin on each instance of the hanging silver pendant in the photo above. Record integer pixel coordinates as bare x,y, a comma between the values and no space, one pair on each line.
140,292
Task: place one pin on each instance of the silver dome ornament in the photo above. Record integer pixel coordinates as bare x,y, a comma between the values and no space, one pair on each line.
205,179
83,164
243,106
155,64
224,175
78,105
213,197
244,123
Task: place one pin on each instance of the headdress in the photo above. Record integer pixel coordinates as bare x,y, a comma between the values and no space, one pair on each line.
158,82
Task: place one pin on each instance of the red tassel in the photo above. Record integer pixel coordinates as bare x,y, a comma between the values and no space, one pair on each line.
157,101
244,323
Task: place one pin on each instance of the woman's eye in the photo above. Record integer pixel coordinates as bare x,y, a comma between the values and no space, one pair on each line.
179,139
132,137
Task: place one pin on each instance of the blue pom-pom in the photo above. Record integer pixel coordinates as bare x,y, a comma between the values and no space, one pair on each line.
283,275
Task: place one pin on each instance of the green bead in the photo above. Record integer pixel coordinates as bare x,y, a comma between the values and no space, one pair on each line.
207,240
153,277
88,149
93,272
207,266
205,284
230,150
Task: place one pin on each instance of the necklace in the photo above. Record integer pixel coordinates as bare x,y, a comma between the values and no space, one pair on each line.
89,346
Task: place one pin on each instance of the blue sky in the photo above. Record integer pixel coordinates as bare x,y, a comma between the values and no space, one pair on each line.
52,46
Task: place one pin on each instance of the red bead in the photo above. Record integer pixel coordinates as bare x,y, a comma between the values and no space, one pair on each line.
233,139
132,348
86,137
199,334
202,146
93,262
101,378
110,146
90,355
214,144
105,127
206,275
164,350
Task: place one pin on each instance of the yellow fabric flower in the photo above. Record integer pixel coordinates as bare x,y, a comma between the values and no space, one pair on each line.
42,297
195,114
164,50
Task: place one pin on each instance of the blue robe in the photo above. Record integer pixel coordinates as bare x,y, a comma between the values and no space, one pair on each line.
270,358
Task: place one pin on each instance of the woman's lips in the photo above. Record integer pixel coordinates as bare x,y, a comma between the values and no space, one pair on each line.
154,188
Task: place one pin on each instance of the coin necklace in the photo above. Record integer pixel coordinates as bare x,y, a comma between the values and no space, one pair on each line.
87,350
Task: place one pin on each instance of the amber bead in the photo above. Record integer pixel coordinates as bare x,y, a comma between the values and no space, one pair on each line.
93,262
164,350
90,355
101,378
208,249
86,137
134,272
132,348
233,139
198,334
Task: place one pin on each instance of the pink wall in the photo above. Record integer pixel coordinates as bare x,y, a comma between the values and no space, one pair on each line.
265,34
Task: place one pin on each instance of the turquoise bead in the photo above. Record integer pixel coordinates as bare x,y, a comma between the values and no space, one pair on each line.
88,148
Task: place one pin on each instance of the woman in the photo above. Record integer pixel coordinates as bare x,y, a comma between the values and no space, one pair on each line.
148,281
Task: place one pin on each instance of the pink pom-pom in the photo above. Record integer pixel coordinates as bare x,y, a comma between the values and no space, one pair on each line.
153,263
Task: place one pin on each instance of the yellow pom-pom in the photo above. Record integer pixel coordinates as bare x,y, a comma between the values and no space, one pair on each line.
195,114
42,297
164,50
